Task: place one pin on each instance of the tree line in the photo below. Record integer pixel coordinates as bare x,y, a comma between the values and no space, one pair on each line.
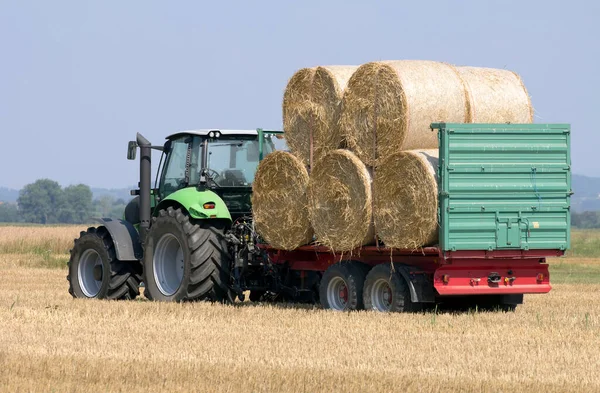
46,202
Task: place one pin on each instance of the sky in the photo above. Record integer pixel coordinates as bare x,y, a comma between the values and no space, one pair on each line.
79,78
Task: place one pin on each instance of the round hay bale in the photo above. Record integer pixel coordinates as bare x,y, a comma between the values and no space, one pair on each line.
388,106
496,96
339,201
279,204
405,196
311,103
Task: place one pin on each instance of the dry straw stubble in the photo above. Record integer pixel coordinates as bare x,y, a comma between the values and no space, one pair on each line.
388,106
406,198
311,104
496,96
279,202
340,201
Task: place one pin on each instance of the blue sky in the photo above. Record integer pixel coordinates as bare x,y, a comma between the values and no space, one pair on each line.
79,78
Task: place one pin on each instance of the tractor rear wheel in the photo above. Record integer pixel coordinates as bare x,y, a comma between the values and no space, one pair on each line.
185,260
341,286
95,272
387,291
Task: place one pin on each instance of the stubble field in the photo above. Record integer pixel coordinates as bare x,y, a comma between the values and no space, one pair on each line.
51,342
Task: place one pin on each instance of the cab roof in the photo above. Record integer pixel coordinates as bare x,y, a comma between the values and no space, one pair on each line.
205,131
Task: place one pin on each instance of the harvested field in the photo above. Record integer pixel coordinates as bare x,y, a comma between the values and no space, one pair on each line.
50,342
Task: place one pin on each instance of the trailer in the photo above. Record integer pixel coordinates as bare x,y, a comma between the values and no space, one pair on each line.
504,208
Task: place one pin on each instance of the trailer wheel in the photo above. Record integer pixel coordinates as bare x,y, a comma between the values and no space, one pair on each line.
387,291
186,260
95,272
342,285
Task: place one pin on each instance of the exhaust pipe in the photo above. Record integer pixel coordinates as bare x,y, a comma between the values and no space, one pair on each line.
145,184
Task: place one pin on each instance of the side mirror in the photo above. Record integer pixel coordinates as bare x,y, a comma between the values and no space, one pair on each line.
131,150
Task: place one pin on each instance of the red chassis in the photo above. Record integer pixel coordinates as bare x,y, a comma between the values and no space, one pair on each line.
452,273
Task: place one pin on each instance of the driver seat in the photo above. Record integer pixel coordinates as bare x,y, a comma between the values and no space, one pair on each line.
233,178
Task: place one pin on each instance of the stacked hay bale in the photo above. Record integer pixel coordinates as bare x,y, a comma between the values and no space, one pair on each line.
496,96
406,199
279,201
385,183
339,201
389,106
311,109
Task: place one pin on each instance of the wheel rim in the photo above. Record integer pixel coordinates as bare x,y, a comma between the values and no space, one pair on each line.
337,294
168,264
381,295
88,262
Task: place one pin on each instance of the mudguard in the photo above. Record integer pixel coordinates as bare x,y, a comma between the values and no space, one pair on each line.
421,289
125,238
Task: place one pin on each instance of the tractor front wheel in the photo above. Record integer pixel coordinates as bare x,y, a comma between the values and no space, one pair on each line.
185,260
95,272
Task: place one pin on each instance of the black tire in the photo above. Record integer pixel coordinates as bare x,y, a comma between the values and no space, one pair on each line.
206,261
117,280
346,277
256,296
380,281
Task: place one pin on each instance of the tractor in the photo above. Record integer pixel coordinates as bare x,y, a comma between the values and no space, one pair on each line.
190,237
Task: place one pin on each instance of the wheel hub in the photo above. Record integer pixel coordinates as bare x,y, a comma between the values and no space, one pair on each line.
89,272
337,294
168,264
381,295
98,272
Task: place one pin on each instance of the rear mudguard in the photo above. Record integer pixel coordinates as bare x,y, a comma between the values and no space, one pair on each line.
125,238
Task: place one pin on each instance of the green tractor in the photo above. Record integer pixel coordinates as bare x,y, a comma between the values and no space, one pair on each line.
176,238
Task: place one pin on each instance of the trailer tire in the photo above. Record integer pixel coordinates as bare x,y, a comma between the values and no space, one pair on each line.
341,286
95,272
387,291
185,260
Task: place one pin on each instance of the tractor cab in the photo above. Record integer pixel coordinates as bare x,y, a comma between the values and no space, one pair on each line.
222,161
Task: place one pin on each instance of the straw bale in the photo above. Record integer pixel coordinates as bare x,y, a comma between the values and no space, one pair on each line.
339,201
279,203
405,193
311,103
388,106
496,96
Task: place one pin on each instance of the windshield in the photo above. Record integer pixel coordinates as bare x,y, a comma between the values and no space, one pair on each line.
233,161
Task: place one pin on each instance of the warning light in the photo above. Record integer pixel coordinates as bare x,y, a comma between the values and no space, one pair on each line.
446,278
540,277
209,205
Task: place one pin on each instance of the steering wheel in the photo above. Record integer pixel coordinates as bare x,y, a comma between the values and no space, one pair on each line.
213,175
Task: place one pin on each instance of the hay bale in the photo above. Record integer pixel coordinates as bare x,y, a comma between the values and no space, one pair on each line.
279,203
311,103
339,201
405,196
496,96
388,106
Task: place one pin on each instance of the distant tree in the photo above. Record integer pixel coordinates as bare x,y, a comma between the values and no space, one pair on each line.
41,201
104,205
77,207
9,212
586,220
